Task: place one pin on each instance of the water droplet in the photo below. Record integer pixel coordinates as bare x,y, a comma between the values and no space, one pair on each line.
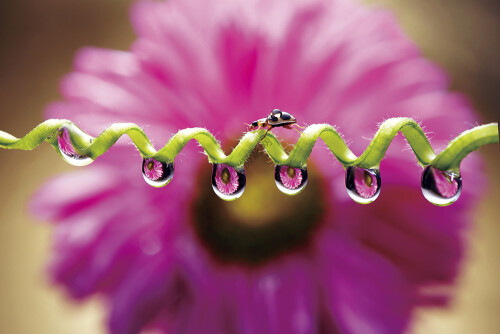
290,180
156,173
67,150
363,185
441,187
227,182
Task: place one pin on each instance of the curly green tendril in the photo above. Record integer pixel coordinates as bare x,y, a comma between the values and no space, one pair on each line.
449,159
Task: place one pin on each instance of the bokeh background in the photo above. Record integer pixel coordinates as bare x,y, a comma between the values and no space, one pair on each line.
37,42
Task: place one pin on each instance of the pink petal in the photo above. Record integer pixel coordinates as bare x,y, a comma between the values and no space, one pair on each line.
73,192
145,292
363,292
280,298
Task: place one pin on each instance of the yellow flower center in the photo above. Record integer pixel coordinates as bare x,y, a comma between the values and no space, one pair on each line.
225,175
368,179
263,222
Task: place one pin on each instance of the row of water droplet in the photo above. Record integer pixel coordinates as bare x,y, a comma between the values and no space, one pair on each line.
363,185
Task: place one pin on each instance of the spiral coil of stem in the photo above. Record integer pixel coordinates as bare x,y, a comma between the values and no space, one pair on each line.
85,145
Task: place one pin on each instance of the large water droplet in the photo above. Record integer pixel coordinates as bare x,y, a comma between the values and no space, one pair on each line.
290,180
363,185
156,173
67,150
441,187
227,182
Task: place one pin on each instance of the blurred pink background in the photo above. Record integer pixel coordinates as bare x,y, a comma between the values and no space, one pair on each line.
37,43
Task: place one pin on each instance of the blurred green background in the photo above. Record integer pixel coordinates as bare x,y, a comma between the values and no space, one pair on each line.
37,42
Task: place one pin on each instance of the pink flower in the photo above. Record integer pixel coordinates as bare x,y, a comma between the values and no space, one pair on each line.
181,260
445,184
291,179
152,169
64,142
226,179
366,184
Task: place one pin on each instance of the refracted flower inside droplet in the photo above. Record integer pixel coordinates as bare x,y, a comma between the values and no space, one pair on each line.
440,187
363,185
67,150
290,180
227,182
156,173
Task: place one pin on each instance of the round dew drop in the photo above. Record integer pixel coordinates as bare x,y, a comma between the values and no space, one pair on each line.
227,182
156,173
290,180
363,185
439,187
67,150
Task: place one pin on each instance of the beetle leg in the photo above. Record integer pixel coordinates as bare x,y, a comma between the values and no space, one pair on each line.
268,128
298,125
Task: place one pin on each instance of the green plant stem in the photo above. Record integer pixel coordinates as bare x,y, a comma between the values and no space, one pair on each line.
448,159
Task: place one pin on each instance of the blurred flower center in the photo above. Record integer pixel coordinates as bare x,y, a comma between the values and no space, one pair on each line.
264,222
225,176
368,179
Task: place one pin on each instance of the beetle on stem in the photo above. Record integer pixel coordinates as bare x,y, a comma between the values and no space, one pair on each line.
275,119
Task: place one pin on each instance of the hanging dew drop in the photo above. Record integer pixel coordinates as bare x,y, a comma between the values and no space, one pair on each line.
290,180
156,173
67,150
227,182
439,187
363,185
